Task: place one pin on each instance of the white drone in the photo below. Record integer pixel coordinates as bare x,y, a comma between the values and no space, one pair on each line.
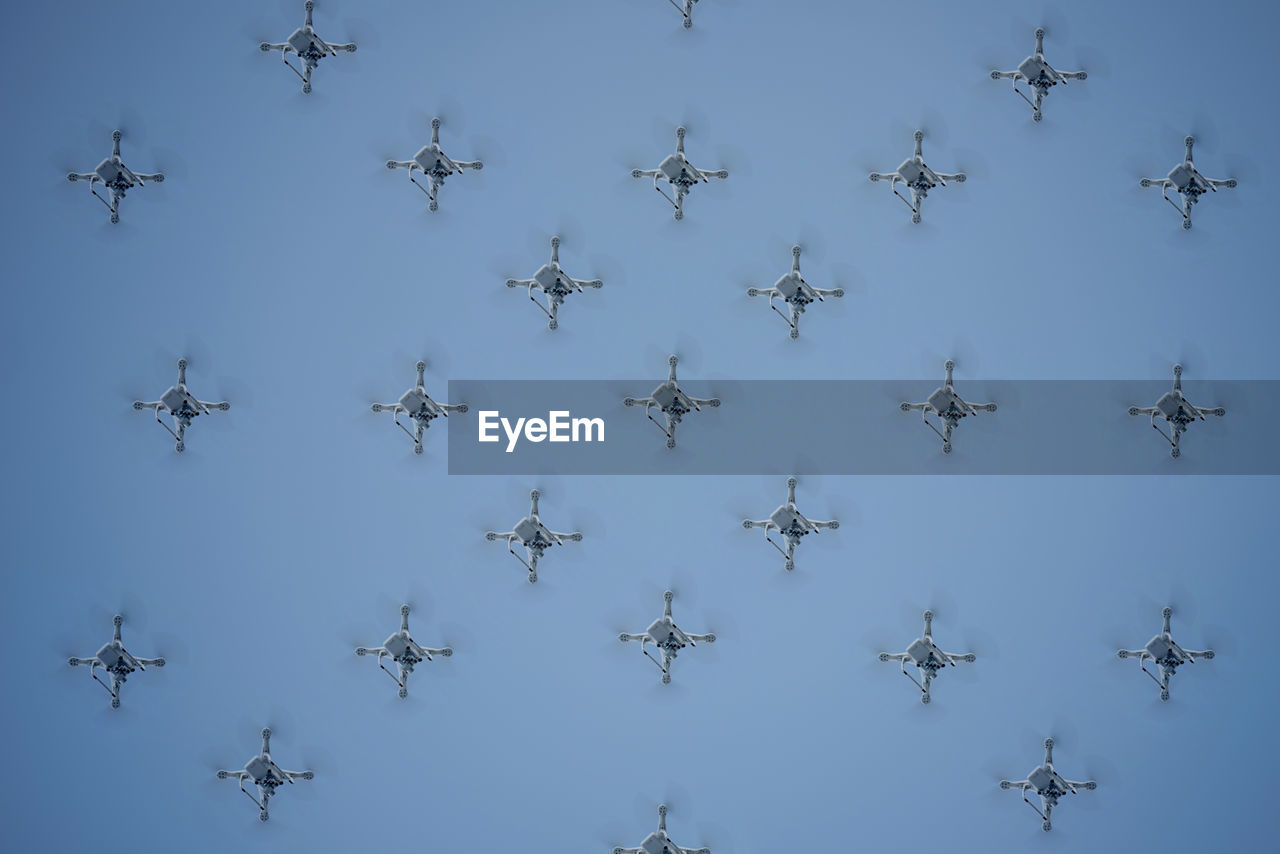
918,178
677,171
671,402
435,164
1190,184
182,405
112,174
669,638
404,651
1038,74
658,842
534,536
420,408
265,774
795,292
948,407
309,47
1177,410
928,658
1165,652
555,283
790,523
116,661
1048,784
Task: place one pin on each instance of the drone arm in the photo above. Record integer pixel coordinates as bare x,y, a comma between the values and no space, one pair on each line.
975,408
143,177
232,775
452,407
709,637
144,663
402,164
633,401
705,401
522,283
334,47
299,775
586,283
1014,75
629,636
1154,182
892,177
1229,183
561,536
893,656
944,177
645,173
628,851
818,526
208,405
477,165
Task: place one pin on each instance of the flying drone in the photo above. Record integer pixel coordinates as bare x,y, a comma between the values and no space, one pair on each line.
308,46
404,651
1190,184
534,536
1177,410
1036,71
116,661
420,408
795,292
265,774
948,407
658,842
671,402
927,657
1165,652
554,283
918,178
435,164
1048,784
664,634
182,405
790,523
112,174
677,171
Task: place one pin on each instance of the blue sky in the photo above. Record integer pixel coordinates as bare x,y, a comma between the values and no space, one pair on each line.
302,280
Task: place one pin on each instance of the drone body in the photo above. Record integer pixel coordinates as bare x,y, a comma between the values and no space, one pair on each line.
658,842
1048,784
793,290
420,408
534,536
263,772
435,164
1037,73
918,178
682,175
1190,184
666,636
115,177
404,651
116,661
948,407
1166,653
1177,411
308,47
672,402
182,406
928,658
554,283
791,524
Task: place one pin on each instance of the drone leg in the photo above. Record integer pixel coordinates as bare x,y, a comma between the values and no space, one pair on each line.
517,557
261,805
1022,96
1034,807
1142,662
946,438
791,323
912,678
902,197
673,202
394,678
93,671
660,427
1184,211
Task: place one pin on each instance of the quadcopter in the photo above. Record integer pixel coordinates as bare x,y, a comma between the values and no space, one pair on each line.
795,292
1190,184
948,407
790,523
918,177
555,283
1048,784
667,637
265,774
404,651
435,164
927,657
534,536
116,661
182,405
309,47
679,173
1177,410
1038,74
672,402
112,174
420,408
1165,652
658,842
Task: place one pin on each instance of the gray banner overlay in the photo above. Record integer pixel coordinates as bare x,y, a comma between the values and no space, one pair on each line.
857,427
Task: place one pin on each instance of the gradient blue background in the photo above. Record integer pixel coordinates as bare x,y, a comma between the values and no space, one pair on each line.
302,280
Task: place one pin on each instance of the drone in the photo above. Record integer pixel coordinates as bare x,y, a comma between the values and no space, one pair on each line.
677,171
790,523
672,402
420,408
435,164
182,405
927,657
404,651
1048,784
795,292
534,536
309,47
1177,410
1165,652
116,661
948,407
112,174
555,283
1190,184
918,177
265,774
1039,75
667,637
658,842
